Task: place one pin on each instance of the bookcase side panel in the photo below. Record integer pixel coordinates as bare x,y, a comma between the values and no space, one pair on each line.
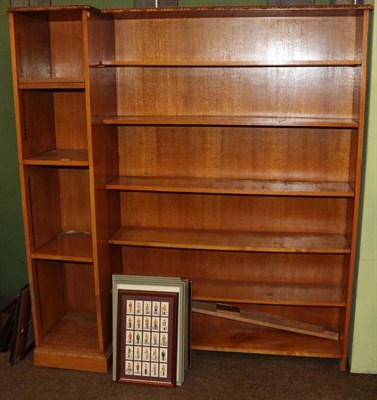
102,145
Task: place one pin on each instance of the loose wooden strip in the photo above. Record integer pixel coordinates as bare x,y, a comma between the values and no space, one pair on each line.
263,319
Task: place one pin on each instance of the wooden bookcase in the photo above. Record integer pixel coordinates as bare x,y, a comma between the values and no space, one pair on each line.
220,144
70,287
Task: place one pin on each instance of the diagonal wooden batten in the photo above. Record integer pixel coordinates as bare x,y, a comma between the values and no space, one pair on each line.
263,319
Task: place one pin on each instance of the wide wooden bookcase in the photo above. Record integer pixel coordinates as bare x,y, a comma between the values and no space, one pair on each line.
220,144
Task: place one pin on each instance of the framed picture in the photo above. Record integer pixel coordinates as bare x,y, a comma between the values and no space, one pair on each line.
23,333
147,337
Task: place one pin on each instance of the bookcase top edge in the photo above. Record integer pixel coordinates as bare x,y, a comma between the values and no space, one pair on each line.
234,11
52,8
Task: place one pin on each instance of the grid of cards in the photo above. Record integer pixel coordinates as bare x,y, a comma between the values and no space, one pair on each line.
147,338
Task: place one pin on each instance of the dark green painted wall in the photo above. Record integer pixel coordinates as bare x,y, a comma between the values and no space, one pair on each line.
12,251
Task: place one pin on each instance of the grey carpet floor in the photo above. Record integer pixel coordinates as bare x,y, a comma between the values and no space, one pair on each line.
212,376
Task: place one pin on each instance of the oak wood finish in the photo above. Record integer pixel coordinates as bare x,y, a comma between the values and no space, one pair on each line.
172,144
60,158
276,278
217,334
245,92
258,153
229,146
101,101
215,120
60,126
230,240
52,98
261,319
230,186
66,247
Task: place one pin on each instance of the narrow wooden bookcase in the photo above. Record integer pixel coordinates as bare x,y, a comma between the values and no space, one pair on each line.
70,286
221,144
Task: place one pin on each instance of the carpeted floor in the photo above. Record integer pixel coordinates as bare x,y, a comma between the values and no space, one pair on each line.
213,376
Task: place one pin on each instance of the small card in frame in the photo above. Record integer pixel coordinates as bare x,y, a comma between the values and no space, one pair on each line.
147,324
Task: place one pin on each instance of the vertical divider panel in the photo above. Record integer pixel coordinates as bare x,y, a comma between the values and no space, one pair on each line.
100,87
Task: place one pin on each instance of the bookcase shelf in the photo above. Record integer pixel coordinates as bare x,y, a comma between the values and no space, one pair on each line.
60,157
269,293
166,142
67,246
74,330
231,121
204,63
231,240
230,186
73,340
51,83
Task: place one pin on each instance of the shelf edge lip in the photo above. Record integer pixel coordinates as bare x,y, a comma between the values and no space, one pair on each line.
57,163
72,352
51,83
45,253
230,121
51,8
58,157
231,64
215,247
229,11
112,185
229,248
57,257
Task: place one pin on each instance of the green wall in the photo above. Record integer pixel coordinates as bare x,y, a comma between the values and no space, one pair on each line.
13,274
364,332
12,251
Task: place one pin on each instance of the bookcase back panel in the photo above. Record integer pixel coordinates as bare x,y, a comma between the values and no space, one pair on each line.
54,203
75,210
38,128
32,34
224,266
292,92
207,39
79,279
67,49
65,299
234,213
49,47
70,120
50,292
42,191
244,153
61,125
